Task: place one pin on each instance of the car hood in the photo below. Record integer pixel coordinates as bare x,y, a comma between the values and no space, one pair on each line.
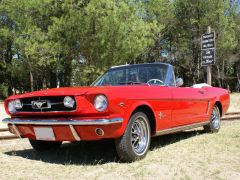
66,91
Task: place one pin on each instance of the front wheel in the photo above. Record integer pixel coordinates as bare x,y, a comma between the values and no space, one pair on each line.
215,121
41,146
134,143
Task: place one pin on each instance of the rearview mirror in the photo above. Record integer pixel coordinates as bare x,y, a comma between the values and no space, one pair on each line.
179,82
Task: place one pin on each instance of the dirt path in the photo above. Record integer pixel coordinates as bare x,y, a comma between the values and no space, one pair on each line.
3,114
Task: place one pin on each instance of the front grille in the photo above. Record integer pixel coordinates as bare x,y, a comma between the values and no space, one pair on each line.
55,104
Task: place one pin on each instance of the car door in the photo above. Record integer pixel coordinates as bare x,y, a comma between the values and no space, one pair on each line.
189,105
161,100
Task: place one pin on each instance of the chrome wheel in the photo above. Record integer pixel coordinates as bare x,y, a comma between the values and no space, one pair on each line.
215,118
214,121
140,135
134,143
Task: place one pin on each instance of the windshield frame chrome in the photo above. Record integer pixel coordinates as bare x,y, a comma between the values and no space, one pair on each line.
168,81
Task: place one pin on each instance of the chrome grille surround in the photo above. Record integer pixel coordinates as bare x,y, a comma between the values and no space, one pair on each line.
45,104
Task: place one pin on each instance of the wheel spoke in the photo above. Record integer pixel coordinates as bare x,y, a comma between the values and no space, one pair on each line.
134,138
134,132
215,118
135,143
138,129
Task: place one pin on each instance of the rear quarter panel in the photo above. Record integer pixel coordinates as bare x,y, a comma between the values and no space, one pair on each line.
219,95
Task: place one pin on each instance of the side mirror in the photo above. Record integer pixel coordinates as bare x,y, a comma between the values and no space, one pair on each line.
179,82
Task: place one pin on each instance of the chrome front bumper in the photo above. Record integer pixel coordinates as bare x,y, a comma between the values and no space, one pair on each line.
69,122
34,121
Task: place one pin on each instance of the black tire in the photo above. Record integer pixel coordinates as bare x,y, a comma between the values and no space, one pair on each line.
41,146
214,121
128,147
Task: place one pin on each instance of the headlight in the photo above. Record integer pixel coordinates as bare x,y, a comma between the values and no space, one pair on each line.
100,103
18,104
68,102
11,107
14,105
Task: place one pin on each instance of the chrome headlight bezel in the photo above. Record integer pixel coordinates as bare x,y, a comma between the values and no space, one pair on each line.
18,104
14,105
69,102
100,103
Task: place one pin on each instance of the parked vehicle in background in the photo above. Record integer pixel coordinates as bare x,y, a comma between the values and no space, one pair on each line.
129,103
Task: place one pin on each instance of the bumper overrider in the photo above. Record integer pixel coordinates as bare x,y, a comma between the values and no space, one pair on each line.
66,129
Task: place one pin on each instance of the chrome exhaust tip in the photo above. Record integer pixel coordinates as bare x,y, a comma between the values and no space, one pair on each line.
99,131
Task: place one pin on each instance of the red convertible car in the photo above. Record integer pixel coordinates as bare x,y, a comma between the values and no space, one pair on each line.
129,103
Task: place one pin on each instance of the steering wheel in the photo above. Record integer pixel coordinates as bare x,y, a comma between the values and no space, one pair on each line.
155,82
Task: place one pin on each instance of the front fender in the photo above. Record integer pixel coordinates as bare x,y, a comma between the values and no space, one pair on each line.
130,107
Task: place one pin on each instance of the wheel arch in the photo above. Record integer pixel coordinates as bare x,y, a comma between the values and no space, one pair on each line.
150,114
219,105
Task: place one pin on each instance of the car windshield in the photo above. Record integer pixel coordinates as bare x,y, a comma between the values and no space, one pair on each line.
154,74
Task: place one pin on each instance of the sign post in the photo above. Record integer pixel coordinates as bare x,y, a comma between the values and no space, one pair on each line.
208,52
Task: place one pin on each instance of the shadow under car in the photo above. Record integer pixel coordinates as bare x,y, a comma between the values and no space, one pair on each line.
95,152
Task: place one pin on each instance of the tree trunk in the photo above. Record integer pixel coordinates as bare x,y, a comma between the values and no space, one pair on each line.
53,79
219,77
67,72
222,74
8,60
31,81
10,92
238,84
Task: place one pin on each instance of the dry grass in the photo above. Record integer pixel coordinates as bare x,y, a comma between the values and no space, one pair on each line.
186,155
235,102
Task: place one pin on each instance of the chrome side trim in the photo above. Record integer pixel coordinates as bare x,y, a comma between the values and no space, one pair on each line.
74,133
63,121
16,131
180,128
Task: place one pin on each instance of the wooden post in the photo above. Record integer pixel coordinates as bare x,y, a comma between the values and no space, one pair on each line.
209,73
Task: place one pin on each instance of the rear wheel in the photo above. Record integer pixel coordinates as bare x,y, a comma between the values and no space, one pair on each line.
215,121
44,145
134,143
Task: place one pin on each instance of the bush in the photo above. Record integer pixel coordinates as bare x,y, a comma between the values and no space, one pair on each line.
3,91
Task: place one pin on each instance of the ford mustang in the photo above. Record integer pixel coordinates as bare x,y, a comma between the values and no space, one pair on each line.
129,103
